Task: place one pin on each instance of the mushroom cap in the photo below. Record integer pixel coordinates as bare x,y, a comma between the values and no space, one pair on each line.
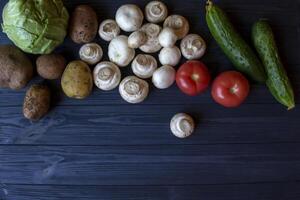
164,77
119,52
144,65
193,47
107,76
152,45
129,17
182,125
167,37
137,39
156,11
109,29
170,56
133,90
91,53
179,24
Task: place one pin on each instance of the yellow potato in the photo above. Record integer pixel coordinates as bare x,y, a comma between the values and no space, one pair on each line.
77,81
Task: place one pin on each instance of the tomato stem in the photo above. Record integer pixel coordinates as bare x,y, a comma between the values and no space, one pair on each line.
195,77
234,89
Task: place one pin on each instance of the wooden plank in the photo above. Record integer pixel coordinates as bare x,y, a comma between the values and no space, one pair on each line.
266,191
173,96
140,124
150,165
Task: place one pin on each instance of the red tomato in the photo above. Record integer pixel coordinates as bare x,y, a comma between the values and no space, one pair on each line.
192,77
230,89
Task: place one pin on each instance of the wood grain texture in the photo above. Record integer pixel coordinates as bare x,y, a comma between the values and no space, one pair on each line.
139,125
150,165
102,148
266,191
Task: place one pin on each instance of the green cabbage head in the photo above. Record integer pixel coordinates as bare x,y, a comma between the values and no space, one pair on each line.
35,26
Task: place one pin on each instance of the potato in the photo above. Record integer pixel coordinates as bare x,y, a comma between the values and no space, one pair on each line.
36,102
15,68
50,66
84,24
77,81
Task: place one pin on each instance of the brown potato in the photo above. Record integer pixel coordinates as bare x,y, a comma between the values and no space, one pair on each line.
50,66
83,24
77,80
36,102
15,68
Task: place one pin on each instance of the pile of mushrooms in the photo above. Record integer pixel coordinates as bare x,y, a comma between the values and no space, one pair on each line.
127,34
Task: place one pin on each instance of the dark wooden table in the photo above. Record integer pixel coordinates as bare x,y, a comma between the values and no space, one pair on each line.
103,148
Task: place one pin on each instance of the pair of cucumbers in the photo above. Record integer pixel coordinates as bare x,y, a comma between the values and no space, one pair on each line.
245,60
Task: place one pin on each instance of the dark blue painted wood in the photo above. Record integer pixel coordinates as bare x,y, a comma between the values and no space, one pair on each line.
103,148
149,124
150,164
283,190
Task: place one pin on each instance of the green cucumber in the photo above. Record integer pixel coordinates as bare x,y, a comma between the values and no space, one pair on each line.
277,79
232,44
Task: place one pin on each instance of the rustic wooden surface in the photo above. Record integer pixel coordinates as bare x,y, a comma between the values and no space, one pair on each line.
103,148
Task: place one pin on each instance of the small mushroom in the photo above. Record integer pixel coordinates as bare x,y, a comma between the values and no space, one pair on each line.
91,53
152,45
133,90
144,65
109,29
179,24
137,39
170,56
156,11
182,125
164,77
129,17
167,37
119,52
193,46
107,76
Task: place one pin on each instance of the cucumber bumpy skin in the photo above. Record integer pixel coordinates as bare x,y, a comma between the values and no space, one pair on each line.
232,44
277,80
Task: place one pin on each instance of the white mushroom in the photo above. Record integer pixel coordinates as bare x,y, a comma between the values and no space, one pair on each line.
144,65
152,45
156,11
107,76
129,17
133,90
182,125
164,77
193,47
167,37
119,52
91,53
109,29
137,39
170,56
179,24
